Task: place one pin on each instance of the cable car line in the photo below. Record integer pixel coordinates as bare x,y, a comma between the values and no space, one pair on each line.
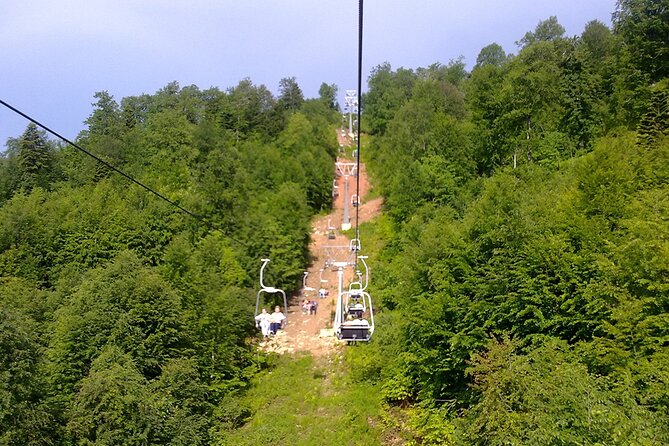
354,313
357,154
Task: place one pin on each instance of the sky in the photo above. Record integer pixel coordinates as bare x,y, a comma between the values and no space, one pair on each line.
55,54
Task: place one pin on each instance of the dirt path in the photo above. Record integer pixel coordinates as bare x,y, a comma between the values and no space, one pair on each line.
313,333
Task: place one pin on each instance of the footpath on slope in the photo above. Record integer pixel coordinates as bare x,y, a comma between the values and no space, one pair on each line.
313,333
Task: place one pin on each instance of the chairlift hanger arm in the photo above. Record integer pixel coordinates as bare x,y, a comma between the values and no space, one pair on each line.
262,270
362,258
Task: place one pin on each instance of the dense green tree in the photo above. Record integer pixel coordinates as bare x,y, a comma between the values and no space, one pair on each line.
35,159
248,108
290,94
127,323
584,109
644,27
113,404
545,31
492,54
104,133
538,254
105,119
548,397
654,124
388,91
597,40
24,419
124,305
518,105
328,95
9,173
134,110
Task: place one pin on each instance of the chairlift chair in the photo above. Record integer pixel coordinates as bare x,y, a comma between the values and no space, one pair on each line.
270,290
331,231
306,288
335,189
355,287
360,328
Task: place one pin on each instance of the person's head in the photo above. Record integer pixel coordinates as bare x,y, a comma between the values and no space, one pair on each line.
264,311
277,309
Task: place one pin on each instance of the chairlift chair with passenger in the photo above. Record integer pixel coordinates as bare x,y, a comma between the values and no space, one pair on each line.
335,189
270,290
306,288
354,319
331,231
358,323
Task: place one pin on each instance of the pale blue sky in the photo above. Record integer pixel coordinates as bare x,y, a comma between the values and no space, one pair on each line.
57,53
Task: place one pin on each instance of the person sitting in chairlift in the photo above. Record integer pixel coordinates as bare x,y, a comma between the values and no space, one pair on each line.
276,320
263,322
313,306
358,310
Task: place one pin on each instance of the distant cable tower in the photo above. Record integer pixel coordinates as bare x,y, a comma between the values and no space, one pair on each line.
351,101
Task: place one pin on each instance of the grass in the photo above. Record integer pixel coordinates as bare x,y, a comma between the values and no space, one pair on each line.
306,401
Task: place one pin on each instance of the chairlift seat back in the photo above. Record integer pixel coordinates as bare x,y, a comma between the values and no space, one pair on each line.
354,333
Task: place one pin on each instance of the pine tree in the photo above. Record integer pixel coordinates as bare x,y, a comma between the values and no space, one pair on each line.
35,159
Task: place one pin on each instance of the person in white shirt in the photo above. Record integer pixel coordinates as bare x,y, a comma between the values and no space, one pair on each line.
263,321
276,320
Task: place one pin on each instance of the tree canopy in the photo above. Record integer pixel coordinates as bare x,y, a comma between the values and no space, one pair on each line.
122,319
520,268
520,264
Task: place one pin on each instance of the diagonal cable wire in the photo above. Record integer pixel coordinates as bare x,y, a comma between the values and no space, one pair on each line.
117,170
100,160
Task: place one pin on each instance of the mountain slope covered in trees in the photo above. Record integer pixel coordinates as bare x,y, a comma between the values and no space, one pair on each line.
125,320
523,263
521,267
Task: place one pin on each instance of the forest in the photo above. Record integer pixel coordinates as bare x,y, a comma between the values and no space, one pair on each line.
124,320
520,266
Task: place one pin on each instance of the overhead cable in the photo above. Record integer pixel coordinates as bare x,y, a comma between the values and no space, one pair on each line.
357,208
115,169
